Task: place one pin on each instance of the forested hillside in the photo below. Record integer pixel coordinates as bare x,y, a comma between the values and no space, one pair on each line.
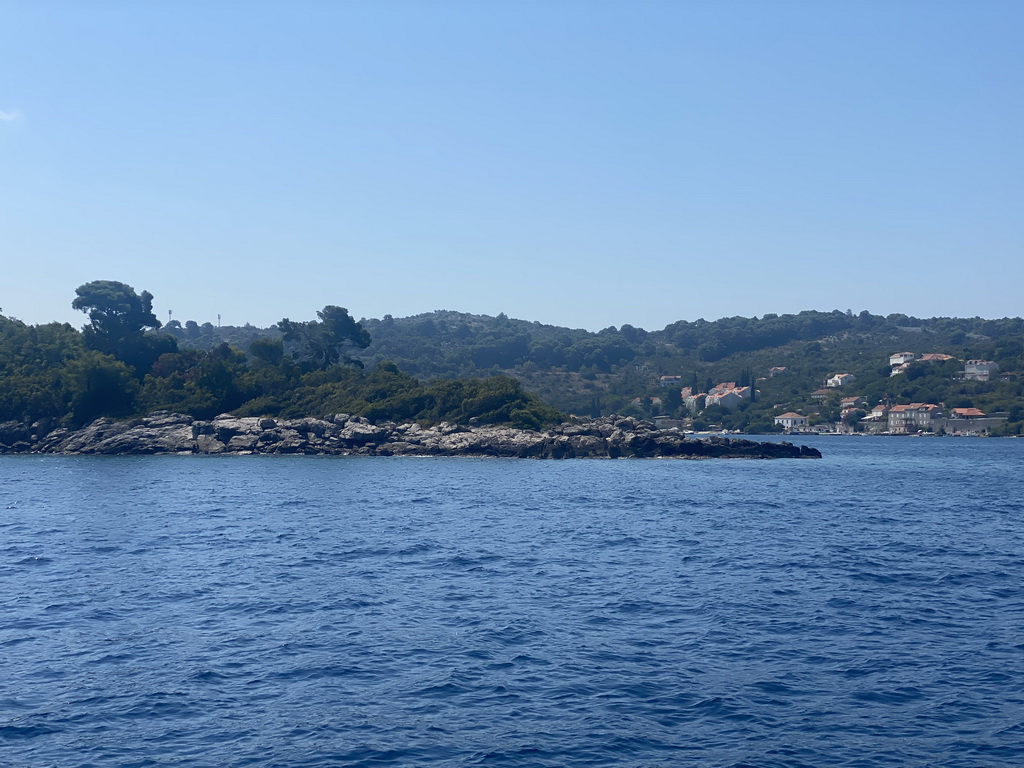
457,366
589,373
122,364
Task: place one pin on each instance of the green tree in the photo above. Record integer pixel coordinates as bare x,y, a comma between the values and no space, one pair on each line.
267,351
322,343
115,311
118,320
99,385
673,400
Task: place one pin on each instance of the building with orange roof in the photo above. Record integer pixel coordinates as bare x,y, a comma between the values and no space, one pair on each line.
695,402
967,413
914,417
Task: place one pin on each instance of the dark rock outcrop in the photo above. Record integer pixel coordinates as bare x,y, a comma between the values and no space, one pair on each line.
166,433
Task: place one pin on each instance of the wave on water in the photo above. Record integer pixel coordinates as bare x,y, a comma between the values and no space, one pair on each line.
860,611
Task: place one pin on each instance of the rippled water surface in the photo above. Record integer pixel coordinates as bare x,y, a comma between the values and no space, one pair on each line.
862,610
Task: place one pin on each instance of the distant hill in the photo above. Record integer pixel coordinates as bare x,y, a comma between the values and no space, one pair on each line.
736,373
591,373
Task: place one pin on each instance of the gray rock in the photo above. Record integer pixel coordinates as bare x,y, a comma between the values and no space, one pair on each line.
209,444
12,432
175,433
317,427
167,418
242,443
269,437
360,433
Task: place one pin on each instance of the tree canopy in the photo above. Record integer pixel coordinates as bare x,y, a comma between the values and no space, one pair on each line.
118,321
119,365
115,311
123,363
322,343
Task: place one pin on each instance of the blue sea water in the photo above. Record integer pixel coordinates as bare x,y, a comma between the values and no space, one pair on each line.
862,610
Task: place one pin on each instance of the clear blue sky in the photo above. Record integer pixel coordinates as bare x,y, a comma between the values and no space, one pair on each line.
579,163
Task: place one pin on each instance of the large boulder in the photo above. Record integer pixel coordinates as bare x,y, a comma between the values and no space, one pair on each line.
12,432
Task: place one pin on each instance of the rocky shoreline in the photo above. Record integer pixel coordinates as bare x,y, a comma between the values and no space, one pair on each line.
344,435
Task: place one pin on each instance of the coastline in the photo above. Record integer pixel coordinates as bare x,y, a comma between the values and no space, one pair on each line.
165,433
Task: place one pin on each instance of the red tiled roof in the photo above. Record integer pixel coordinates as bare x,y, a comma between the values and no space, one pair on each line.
914,407
967,412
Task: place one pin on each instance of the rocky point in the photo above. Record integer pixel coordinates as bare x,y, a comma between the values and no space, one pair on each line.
342,434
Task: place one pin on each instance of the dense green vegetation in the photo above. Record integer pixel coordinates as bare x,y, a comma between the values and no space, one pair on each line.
454,366
598,373
121,365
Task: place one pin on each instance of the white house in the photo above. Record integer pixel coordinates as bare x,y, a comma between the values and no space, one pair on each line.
980,370
877,420
791,420
694,402
898,369
840,380
879,415
900,358
745,393
730,398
